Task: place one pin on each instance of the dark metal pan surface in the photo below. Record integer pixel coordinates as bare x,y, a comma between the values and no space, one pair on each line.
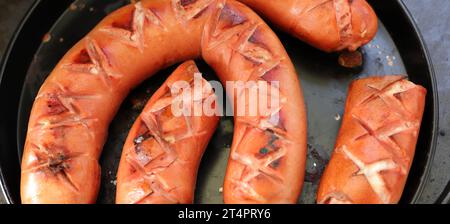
397,49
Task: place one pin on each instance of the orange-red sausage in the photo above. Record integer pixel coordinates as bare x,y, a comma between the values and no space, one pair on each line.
162,152
330,25
376,142
70,116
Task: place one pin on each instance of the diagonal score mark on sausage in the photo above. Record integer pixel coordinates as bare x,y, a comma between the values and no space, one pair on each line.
380,128
256,167
187,10
336,197
99,66
233,24
136,37
63,111
55,160
372,173
383,135
153,152
406,123
99,76
238,34
330,25
343,20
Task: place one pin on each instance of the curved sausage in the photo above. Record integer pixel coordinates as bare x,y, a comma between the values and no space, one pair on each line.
376,142
70,116
162,152
329,25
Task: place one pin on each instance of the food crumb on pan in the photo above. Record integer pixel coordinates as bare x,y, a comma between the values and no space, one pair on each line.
91,9
349,59
389,60
337,117
138,104
61,39
73,6
47,37
227,126
114,182
221,189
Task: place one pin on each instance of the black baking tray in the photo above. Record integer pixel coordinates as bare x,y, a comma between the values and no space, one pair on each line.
397,49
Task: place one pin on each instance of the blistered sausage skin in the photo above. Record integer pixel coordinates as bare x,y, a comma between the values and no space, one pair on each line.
163,149
329,25
376,143
71,113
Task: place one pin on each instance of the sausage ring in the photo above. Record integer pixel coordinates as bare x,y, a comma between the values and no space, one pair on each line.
71,113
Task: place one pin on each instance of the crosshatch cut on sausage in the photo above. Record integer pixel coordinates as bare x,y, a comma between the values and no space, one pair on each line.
162,152
376,142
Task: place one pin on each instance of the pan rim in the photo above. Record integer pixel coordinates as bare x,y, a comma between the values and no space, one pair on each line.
5,64
435,96
5,58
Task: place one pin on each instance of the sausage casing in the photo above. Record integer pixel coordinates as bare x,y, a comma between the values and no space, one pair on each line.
329,25
376,143
163,149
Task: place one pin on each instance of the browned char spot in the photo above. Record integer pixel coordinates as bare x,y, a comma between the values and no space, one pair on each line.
56,163
275,164
263,152
272,145
54,106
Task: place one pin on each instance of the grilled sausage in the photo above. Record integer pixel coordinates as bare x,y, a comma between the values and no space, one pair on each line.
162,152
376,142
71,113
329,25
